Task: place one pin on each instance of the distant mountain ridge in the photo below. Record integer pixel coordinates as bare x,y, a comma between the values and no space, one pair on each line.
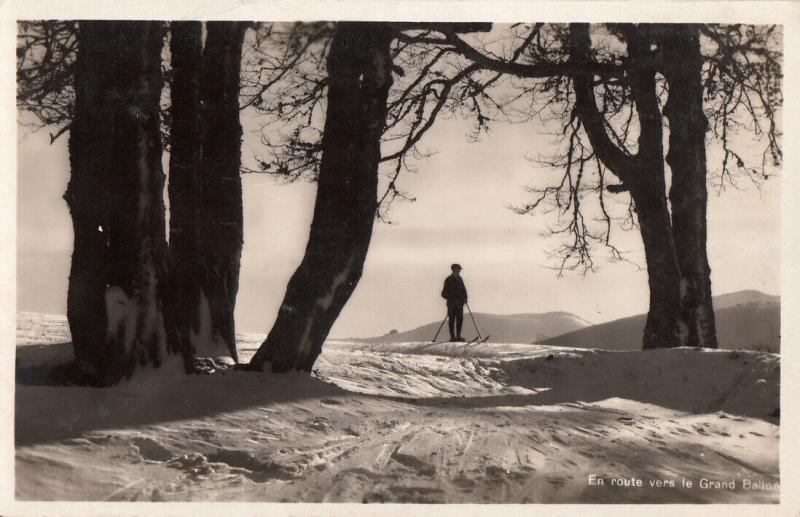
748,320
750,296
503,328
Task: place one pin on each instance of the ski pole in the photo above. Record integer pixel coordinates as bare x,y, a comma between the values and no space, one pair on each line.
439,330
473,321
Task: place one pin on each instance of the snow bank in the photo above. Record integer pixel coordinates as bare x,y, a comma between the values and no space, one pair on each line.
411,422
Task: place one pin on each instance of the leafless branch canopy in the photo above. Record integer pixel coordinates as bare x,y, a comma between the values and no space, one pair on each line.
45,69
487,74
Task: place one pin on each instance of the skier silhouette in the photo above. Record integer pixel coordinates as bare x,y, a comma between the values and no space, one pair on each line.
455,293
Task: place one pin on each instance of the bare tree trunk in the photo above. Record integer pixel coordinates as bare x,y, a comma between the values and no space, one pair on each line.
359,70
186,133
642,175
115,196
663,326
221,205
90,153
682,66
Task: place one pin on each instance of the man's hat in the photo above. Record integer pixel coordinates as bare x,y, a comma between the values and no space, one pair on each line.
453,267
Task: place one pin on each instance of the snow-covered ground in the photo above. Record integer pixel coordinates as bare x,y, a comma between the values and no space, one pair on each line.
407,422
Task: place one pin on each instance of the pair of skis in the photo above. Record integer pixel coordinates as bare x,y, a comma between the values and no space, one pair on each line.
477,339
473,341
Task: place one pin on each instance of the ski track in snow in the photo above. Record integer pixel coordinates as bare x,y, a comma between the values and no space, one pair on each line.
411,422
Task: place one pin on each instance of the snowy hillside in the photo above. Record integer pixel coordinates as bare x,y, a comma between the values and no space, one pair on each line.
746,320
408,422
504,328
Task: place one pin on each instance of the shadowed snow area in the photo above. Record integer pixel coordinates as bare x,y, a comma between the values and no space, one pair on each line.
406,422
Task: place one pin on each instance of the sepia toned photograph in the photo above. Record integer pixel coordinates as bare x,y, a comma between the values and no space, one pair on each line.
344,261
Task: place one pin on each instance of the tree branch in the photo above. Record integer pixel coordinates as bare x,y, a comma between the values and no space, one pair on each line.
617,161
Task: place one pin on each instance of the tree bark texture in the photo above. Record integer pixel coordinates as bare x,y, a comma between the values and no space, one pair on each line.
119,264
186,135
663,325
682,66
221,218
359,70
641,174
90,148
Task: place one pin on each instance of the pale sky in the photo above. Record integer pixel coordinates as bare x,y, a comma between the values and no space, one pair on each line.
460,216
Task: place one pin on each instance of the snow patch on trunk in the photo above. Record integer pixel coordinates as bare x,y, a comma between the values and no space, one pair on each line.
702,318
135,322
324,303
682,328
152,321
206,342
121,315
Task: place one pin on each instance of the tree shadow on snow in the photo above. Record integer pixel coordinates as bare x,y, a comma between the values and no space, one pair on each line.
42,364
46,411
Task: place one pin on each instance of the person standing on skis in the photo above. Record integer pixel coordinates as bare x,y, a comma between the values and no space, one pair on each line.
455,293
